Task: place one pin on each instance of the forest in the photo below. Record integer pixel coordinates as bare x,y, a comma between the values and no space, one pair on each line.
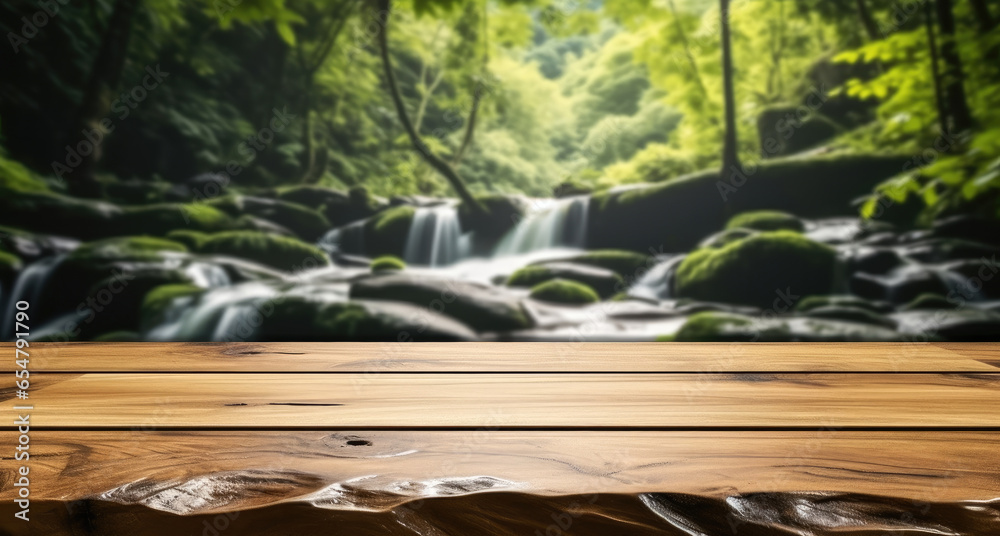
675,170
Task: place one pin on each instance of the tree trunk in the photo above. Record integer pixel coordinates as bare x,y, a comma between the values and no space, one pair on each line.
865,14
942,109
442,167
958,106
470,125
730,158
105,74
983,16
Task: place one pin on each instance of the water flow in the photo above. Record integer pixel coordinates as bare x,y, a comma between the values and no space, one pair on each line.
658,282
435,237
29,286
563,223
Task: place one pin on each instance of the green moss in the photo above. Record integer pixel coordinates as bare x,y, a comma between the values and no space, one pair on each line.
387,262
161,297
766,220
564,291
624,263
194,240
311,196
929,301
16,177
119,336
279,252
725,237
603,281
751,271
711,326
9,262
131,247
815,302
161,219
386,232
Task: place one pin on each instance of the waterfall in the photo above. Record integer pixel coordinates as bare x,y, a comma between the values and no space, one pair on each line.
435,237
29,286
561,224
658,283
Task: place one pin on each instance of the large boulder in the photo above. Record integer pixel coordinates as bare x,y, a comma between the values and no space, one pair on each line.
314,197
360,204
161,219
603,281
674,216
758,270
481,307
727,327
500,214
565,292
626,264
56,214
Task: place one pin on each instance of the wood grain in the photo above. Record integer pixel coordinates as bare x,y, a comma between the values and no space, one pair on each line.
509,357
923,466
345,401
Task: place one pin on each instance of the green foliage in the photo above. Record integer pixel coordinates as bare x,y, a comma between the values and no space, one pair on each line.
564,291
766,220
781,261
15,177
387,263
193,240
279,252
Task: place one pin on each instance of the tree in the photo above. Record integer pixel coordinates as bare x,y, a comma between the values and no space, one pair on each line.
942,108
960,118
436,162
730,158
105,73
867,20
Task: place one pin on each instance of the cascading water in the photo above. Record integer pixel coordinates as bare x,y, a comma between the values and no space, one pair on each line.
435,237
657,284
561,224
29,286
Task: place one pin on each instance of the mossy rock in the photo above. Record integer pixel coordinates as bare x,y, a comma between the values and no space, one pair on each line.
386,232
564,291
307,223
626,264
766,220
193,240
726,237
605,282
136,192
851,314
929,301
480,307
59,215
675,216
314,197
301,319
279,252
753,270
387,263
128,247
160,298
815,302
727,327
161,219
16,177
788,129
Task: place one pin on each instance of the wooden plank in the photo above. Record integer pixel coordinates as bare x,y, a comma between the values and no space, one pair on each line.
153,466
344,401
509,357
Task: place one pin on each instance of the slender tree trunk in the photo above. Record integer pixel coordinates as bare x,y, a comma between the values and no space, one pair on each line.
730,158
470,125
105,73
867,20
442,167
942,109
958,106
